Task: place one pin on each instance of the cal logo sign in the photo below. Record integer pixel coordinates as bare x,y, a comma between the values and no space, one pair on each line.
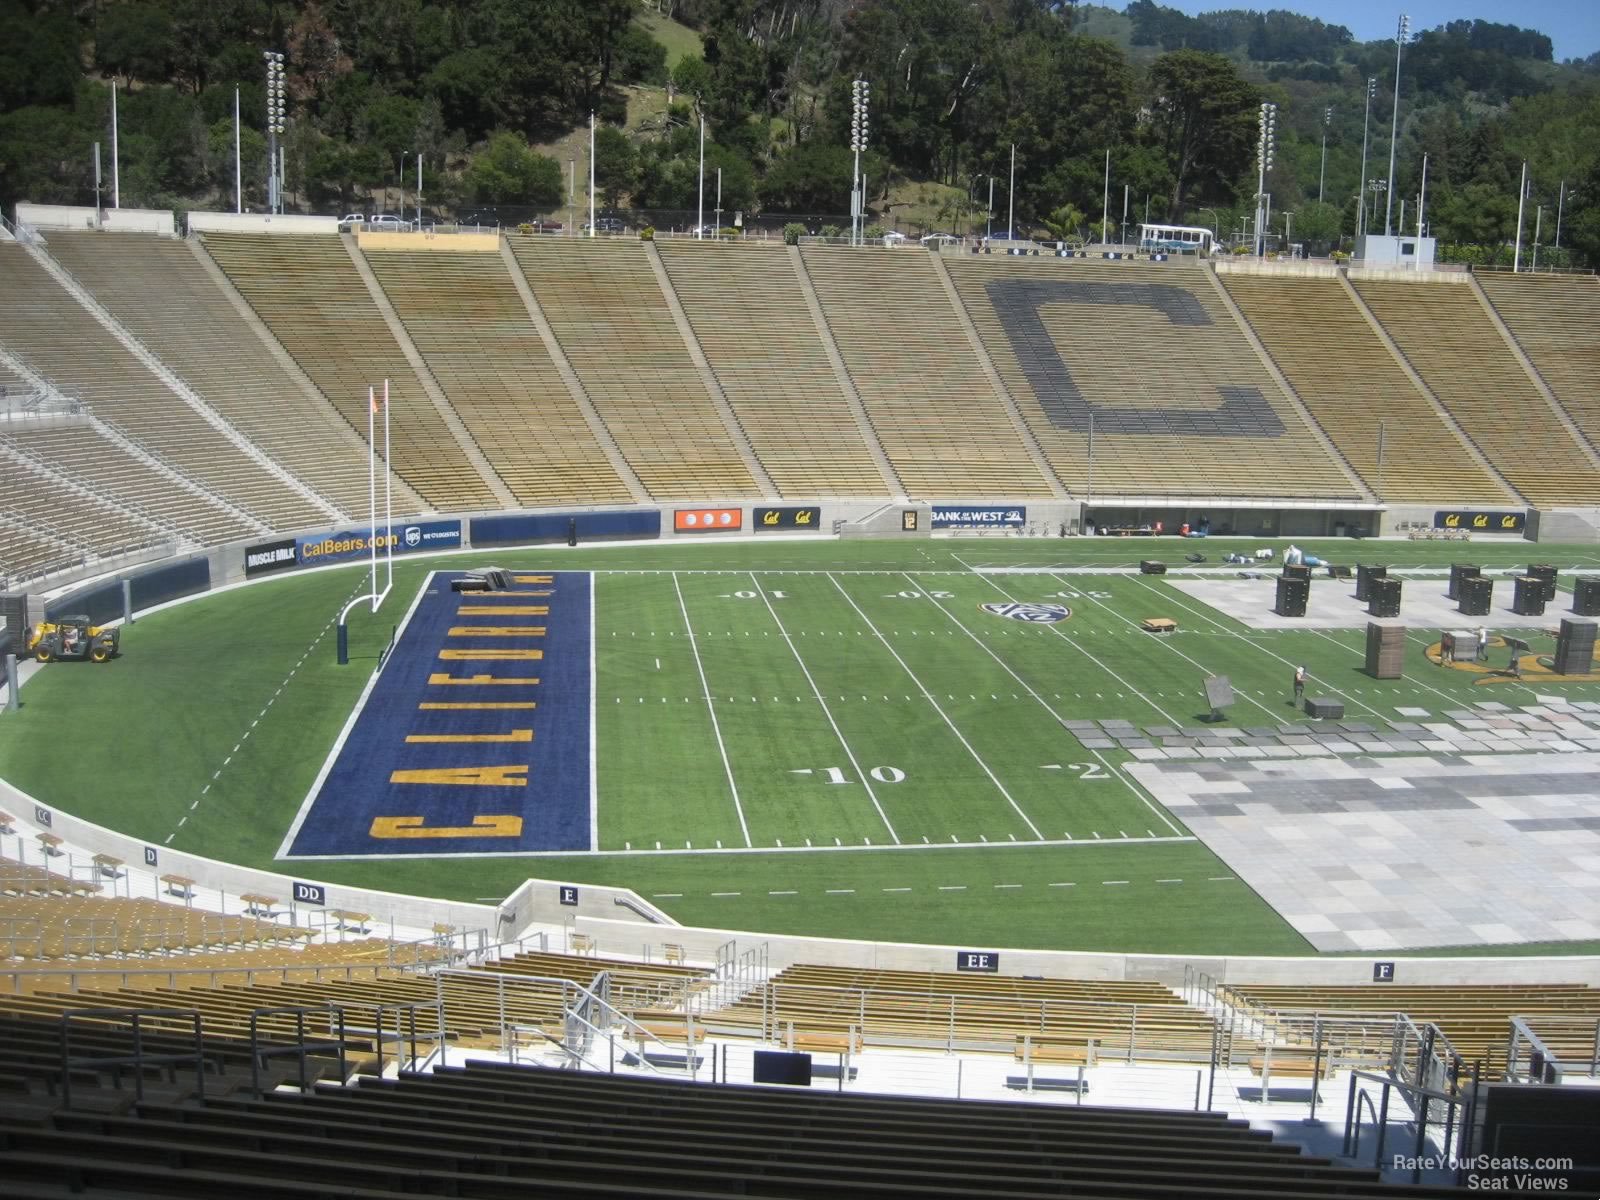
977,960
1039,614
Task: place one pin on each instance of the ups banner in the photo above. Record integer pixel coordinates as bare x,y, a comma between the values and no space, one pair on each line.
786,518
1483,522
269,556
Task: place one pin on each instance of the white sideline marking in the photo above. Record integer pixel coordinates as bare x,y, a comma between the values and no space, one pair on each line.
945,716
716,728
817,692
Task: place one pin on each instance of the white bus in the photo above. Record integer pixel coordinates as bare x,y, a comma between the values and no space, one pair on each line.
1175,239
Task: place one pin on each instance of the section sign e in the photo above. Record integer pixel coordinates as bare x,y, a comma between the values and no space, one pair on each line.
950,517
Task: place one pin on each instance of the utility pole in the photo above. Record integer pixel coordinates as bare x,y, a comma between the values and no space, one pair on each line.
1561,200
116,183
1394,124
1105,201
700,214
988,227
1322,175
1522,197
1011,197
1361,187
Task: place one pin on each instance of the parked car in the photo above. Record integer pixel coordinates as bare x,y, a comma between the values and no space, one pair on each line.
606,225
894,237
934,240
351,222
389,223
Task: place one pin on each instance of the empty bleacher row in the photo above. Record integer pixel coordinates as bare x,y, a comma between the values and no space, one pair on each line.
308,292
606,309
1155,384
749,314
1353,387
1452,344
931,405
47,328
196,331
1474,1018
1120,1020
466,319
1552,318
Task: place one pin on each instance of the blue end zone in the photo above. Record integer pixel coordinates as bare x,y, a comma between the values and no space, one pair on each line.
475,737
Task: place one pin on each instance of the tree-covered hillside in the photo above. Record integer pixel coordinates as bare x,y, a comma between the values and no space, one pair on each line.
486,90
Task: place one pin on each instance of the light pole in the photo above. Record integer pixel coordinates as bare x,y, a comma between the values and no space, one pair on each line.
1266,125
1215,235
1376,186
1394,124
860,97
1288,233
1538,224
1322,174
276,105
1361,208
988,226
1561,201
1522,200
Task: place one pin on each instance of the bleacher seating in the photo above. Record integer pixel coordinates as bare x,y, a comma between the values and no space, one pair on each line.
607,311
46,327
1350,383
749,315
1124,1020
931,404
491,1130
134,505
92,926
1552,318
1125,356
1475,1018
27,552
465,318
1450,341
307,291
197,332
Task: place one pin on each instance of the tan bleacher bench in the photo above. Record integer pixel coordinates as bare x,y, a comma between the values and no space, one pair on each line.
1295,1063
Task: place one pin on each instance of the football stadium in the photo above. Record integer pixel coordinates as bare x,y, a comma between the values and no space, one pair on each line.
491,713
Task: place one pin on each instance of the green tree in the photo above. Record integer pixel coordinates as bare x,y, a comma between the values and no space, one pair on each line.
508,172
134,41
1204,122
1065,223
615,164
1317,225
813,178
38,56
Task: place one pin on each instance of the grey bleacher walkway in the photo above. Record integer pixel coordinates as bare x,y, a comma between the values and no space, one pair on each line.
470,450
59,338
197,331
307,291
465,317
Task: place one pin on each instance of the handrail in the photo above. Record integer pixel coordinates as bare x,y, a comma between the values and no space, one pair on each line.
259,1053
139,1059
410,1009
564,984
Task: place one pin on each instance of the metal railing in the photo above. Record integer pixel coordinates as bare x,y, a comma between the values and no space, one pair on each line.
301,1048
139,1059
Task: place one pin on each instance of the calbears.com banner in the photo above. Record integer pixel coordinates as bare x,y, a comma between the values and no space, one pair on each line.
347,544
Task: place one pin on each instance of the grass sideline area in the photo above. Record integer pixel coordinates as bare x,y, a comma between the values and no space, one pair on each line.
824,660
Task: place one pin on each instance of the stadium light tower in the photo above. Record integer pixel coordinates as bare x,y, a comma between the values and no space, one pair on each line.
1361,207
1394,123
1267,125
276,106
860,95
1322,173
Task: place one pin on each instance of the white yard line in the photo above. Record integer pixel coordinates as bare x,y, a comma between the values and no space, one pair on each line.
1168,717
817,692
976,757
716,728
1192,662
1006,667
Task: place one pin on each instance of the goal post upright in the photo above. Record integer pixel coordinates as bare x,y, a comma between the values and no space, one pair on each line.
374,596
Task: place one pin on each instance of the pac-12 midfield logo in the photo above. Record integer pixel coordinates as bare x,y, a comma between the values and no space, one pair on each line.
1041,614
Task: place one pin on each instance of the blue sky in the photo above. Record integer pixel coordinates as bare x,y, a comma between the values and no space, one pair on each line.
1573,25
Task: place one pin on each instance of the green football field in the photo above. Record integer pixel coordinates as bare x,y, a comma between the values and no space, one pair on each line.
794,736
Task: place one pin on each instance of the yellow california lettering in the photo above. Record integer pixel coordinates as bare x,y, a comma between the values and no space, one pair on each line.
442,705
504,610
497,631
514,735
483,825
438,679
507,776
533,579
490,655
